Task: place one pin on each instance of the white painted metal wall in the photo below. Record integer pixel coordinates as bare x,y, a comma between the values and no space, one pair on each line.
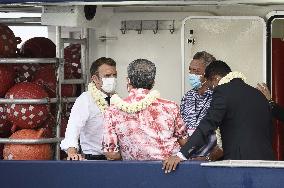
239,41
163,49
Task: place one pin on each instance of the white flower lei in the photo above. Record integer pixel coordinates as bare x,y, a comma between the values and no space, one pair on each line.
135,106
98,97
231,76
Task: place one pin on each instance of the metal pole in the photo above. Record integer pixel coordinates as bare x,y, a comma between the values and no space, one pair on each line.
24,24
76,41
25,101
36,101
59,76
28,60
85,58
87,34
26,20
68,99
30,141
73,81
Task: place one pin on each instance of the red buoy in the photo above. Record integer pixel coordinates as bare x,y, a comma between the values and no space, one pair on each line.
27,116
27,151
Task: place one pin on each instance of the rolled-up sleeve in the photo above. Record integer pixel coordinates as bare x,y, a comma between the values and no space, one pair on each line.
208,124
110,139
78,118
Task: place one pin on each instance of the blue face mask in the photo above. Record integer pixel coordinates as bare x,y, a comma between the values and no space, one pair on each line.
194,81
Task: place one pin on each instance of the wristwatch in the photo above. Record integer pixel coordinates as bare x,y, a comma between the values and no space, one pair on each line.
271,103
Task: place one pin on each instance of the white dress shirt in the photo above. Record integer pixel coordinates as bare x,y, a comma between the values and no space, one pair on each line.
86,122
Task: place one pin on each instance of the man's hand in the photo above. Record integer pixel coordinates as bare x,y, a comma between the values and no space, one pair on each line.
182,142
171,163
216,153
113,156
73,155
264,90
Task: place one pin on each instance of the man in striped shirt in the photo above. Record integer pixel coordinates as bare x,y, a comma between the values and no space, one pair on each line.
196,101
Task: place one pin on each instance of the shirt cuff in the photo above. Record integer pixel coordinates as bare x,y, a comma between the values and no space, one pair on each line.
180,155
190,131
65,144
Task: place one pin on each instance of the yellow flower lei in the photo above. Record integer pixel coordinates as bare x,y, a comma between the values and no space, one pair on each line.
135,106
98,97
231,76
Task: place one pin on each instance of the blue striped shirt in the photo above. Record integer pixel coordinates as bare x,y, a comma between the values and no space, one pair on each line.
194,107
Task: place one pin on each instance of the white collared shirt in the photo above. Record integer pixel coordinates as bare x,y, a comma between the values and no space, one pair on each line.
86,122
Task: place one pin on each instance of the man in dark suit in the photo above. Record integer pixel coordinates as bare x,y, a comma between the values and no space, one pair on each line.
240,111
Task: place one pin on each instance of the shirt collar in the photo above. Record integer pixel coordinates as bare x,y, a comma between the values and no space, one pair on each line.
138,93
104,95
206,93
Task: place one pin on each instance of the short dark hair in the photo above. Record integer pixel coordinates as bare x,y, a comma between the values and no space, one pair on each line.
205,56
103,60
217,68
141,73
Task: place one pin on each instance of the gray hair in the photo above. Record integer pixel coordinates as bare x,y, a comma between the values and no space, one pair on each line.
205,56
141,73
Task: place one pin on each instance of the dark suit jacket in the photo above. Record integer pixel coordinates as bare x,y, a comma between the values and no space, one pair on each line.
244,117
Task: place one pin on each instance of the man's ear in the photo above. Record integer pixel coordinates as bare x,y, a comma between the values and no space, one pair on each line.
202,78
95,78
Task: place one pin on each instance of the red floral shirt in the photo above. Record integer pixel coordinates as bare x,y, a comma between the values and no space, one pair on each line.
149,134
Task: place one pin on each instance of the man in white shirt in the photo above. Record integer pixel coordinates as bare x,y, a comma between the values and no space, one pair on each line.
86,118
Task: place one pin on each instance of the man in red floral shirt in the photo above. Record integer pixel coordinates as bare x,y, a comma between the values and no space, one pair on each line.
142,126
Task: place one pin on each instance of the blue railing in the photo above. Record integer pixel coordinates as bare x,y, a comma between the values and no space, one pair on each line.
132,174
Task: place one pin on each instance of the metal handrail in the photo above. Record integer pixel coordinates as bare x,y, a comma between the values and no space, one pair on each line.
26,20
30,141
36,101
73,81
59,61
25,101
76,41
29,60
68,99
59,78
